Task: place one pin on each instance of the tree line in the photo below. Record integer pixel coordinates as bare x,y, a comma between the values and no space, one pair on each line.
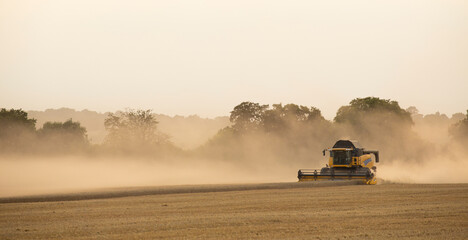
295,133
276,133
130,131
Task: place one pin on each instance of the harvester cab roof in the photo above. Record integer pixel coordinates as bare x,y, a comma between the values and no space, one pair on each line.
354,146
347,144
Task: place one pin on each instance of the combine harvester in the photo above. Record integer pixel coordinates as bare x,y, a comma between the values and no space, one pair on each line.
348,161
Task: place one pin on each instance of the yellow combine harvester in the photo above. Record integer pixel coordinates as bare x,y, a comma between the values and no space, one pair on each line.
348,161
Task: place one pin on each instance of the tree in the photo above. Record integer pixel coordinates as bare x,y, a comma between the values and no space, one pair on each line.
282,132
373,115
133,130
17,131
459,130
247,116
412,110
63,136
15,118
360,108
415,115
281,118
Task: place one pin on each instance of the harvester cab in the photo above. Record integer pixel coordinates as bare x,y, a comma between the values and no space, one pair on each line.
347,161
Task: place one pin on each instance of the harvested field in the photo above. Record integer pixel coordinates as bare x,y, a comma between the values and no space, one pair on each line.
279,211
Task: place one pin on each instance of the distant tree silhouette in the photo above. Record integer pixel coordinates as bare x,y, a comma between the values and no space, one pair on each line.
412,110
360,108
283,131
248,116
371,116
15,118
17,131
459,131
281,118
133,130
65,136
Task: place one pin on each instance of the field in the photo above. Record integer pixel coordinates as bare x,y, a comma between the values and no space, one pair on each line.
265,211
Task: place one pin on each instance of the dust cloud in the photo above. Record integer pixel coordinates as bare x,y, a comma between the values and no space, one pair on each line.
30,176
436,170
446,163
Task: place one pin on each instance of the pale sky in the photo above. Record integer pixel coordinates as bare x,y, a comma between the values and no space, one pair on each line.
205,57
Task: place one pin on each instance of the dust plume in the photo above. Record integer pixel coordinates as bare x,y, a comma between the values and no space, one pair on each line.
448,163
47,175
436,170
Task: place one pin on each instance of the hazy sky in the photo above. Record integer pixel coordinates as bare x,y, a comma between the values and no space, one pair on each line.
205,57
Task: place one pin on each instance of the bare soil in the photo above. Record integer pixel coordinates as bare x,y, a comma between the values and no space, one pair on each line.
260,211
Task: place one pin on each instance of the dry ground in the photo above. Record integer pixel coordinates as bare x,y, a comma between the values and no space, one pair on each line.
386,211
